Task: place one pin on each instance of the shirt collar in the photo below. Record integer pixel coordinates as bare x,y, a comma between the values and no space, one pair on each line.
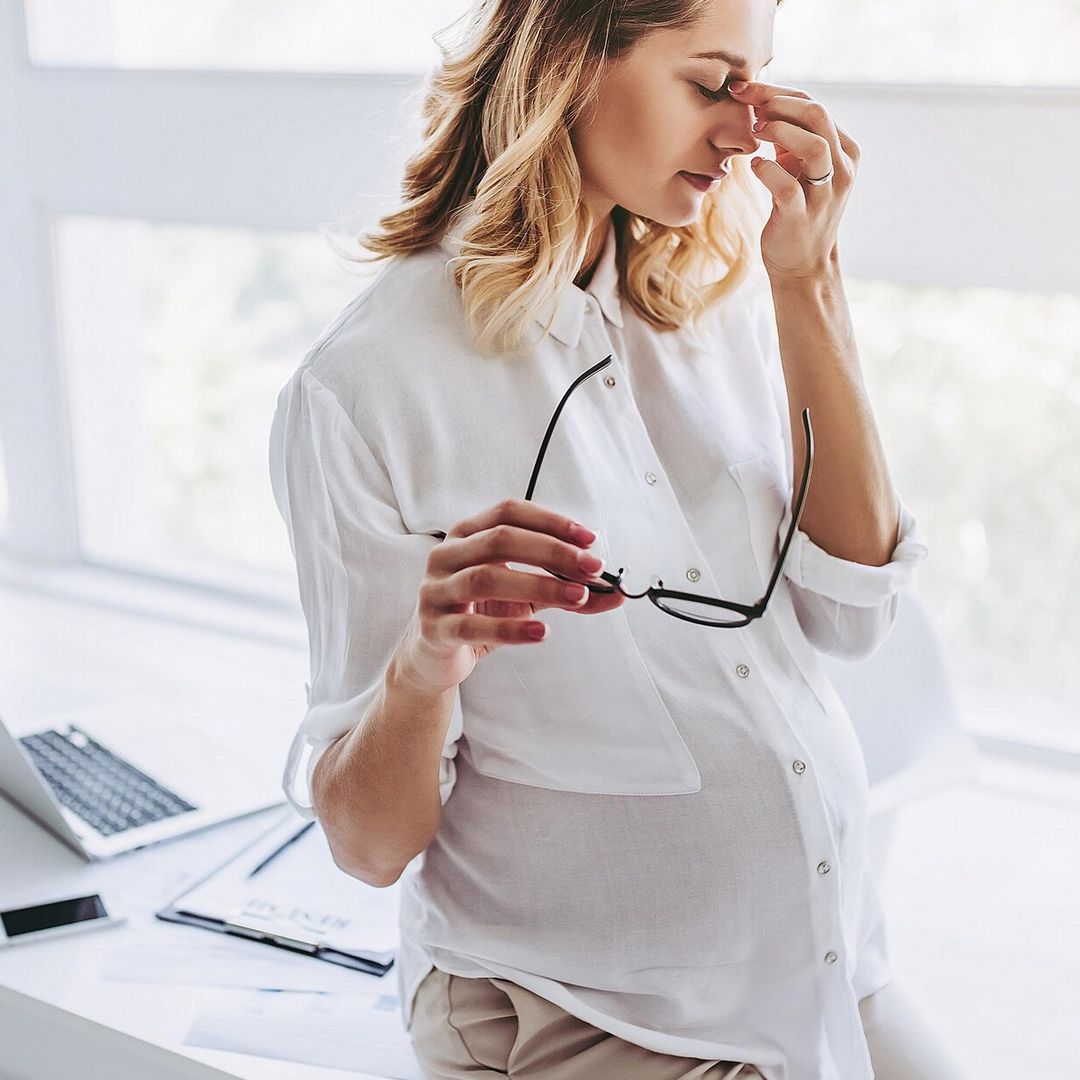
570,304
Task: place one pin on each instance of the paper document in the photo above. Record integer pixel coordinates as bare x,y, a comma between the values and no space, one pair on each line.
165,953
360,1033
288,884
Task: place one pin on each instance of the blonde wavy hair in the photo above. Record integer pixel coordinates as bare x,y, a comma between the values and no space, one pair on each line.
497,117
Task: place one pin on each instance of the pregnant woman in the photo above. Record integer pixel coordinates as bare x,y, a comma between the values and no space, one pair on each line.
578,488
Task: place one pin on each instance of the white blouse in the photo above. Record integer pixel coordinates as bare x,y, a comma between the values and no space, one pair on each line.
659,826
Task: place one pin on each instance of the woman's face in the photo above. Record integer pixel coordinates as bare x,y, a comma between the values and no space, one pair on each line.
652,119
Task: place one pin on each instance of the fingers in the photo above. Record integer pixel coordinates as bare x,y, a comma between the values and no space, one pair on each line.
520,532
759,93
791,118
783,186
469,589
484,629
811,149
488,582
602,601
850,146
526,514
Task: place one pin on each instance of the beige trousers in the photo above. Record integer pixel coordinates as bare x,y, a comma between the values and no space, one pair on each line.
465,1028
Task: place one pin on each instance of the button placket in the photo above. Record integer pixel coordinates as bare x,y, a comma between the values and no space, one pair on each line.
827,919
826,909
827,913
799,767
825,925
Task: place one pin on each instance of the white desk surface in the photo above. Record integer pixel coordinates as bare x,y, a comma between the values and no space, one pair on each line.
58,1016
56,986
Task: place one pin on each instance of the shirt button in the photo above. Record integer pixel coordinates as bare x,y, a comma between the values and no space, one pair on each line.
650,478
693,573
609,380
799,766
830,957
742,671
823,867
588,307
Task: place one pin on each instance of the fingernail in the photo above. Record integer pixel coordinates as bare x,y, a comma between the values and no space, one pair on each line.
582,534
588,561
738,85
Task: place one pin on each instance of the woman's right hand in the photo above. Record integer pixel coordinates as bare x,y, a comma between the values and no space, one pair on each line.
470,602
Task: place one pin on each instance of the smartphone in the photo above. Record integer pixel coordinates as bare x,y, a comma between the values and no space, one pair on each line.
55,918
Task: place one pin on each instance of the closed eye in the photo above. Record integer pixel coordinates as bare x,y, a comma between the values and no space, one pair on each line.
713,95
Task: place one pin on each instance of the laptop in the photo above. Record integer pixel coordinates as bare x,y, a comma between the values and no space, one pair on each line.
122,774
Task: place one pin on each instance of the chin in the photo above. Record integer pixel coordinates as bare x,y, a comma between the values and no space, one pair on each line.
674,213
678,217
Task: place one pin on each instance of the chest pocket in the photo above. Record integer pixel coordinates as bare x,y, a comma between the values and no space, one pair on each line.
765,487
576,712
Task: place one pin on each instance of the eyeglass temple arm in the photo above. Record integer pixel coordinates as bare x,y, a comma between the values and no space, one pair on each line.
551,427
555,416
799,503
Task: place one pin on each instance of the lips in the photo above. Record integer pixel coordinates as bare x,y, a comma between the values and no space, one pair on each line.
702,181
709,176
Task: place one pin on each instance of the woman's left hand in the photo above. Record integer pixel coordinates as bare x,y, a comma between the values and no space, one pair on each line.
799,239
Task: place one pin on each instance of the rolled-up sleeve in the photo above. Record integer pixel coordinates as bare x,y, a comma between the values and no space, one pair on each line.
358,571
846,609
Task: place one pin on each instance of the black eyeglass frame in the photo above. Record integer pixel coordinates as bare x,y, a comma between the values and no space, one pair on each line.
657,593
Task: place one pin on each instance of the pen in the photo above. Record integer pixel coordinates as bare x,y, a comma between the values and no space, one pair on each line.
278,850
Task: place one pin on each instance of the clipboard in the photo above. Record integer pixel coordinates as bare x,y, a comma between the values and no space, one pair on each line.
284,889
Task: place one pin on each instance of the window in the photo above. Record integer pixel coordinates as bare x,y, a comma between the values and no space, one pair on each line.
963,42
235,35
982,42
175,340
977,395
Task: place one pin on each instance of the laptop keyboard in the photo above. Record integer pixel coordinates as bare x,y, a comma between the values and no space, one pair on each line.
100,787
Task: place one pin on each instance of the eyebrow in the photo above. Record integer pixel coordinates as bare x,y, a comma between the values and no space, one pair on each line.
732,58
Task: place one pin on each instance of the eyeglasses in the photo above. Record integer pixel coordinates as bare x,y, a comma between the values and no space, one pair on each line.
693,607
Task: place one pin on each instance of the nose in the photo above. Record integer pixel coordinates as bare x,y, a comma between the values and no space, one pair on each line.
737,131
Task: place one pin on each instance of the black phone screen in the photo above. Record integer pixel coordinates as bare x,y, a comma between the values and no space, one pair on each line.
47,916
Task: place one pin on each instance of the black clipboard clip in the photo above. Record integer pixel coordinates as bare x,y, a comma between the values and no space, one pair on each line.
245,926
291,942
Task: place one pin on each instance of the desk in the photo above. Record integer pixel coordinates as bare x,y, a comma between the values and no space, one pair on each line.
57,1013
70,639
